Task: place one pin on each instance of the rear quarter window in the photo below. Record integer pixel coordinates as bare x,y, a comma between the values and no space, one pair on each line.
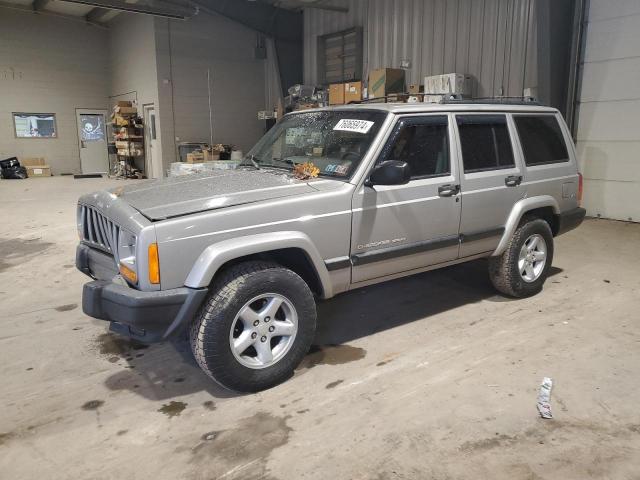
541,139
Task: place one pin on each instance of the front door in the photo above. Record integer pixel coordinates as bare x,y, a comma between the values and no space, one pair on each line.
152,150
92,137
490,180
399,228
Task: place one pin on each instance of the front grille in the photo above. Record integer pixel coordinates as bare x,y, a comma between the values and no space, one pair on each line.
99,231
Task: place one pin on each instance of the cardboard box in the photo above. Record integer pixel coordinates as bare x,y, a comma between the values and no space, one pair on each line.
352,92
127,144
449,83
209,156
384,81
342,93
195,157
126,110
32,162
39,171
336,94
123,104
414,88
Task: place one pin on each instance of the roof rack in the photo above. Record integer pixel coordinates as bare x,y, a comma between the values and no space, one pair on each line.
449,98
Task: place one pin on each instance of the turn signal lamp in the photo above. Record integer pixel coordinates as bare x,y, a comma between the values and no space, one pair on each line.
129,274
154,264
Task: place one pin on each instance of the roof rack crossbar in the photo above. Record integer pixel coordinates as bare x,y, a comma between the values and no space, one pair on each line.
451,98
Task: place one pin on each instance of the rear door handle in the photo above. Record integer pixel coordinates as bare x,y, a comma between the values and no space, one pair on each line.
448,190
513,180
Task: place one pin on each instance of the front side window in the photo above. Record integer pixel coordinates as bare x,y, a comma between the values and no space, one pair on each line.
485,142
541,139
423,143
334,141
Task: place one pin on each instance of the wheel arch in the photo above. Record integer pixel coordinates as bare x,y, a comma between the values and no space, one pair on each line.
543,206
293,250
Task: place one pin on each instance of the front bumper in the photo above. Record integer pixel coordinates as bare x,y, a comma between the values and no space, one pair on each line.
145,316
570,219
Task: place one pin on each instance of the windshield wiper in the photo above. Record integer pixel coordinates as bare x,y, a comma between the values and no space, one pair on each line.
252,159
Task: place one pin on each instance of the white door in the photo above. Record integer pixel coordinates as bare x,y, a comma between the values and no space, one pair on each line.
92,137
152,152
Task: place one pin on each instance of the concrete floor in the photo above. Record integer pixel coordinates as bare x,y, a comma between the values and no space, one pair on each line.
433,377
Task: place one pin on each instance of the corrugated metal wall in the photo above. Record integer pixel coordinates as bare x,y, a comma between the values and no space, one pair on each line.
493,40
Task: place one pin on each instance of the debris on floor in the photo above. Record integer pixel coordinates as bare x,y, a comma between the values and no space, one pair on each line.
544,396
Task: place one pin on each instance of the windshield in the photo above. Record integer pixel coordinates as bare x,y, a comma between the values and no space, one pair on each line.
334,141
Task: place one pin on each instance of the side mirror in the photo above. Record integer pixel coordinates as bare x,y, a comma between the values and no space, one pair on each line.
389,172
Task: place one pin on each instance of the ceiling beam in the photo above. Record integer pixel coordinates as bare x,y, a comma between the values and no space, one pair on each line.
38,5
97,15
320,5
152,7
265,18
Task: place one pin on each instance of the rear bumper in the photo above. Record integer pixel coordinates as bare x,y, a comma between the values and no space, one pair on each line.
145,316
570,219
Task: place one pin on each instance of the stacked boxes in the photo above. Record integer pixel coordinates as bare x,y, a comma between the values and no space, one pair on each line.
129,141
385,81
345,93
449,83
36,167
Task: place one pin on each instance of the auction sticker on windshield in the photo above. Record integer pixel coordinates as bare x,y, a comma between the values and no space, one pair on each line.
352,125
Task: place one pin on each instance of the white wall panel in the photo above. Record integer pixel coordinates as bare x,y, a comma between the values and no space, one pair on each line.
611,39
485,38
609,114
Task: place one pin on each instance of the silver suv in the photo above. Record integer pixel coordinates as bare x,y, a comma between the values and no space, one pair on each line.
327,201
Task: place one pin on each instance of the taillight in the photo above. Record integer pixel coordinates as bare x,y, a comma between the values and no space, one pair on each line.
580,187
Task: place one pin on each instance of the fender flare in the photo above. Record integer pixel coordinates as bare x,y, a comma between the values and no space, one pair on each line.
217,254
519,209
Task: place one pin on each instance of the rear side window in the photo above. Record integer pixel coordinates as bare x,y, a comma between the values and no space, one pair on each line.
424,144
485,142
541,139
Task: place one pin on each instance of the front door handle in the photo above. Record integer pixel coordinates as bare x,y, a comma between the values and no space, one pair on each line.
513,180
448,190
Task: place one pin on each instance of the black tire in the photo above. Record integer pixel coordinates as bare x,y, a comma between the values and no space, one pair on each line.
209,333
503,270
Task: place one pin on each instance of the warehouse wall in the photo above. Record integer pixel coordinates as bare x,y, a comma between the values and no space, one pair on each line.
493,40
609,112
49,65
208,72
132,59
133,70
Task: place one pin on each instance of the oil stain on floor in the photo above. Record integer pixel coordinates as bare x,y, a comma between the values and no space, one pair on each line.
172,409
241,452
331,355
67,307
93,405
109,344
14,251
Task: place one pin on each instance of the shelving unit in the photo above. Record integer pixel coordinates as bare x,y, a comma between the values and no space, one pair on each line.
129,141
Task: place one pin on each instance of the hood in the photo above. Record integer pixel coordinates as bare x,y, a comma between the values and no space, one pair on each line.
175,196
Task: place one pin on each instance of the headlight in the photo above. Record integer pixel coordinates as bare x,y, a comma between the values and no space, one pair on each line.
127,256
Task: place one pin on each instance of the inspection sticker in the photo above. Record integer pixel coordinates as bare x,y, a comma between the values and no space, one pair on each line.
352,125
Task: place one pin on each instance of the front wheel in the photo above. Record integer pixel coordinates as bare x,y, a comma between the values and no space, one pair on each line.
523,267
255,327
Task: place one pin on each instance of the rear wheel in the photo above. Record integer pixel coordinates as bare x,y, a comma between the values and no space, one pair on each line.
255,327
523,267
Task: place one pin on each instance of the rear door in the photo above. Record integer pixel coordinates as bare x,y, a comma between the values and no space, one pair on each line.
398,228
491,179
